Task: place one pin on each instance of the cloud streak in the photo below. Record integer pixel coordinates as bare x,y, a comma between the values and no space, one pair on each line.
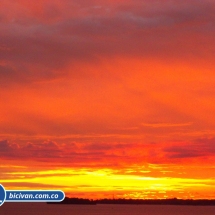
160,125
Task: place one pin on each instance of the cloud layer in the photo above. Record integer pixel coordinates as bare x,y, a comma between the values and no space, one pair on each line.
38,40
96,154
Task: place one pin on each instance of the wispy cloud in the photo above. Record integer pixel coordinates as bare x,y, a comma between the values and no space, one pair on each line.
160,125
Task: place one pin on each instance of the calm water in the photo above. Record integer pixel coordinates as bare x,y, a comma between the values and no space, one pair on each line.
45,209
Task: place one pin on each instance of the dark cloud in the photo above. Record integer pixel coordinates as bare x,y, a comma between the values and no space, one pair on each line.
107,154
29,150
183,152
5,147
78,154
198,148
52,152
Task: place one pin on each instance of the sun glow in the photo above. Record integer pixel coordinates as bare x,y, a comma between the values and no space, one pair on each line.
85,182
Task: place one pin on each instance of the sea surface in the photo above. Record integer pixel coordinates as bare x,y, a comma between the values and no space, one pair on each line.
54,209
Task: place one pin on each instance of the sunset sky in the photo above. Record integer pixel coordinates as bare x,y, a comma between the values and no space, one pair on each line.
108,98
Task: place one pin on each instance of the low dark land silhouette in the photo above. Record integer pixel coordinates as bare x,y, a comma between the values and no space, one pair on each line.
173,201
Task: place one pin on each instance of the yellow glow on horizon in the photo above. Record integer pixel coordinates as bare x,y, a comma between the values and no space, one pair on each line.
85,181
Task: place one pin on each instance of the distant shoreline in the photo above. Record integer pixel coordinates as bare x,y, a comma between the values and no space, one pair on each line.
174,201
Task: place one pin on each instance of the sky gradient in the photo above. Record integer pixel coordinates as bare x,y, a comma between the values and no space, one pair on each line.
108,98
